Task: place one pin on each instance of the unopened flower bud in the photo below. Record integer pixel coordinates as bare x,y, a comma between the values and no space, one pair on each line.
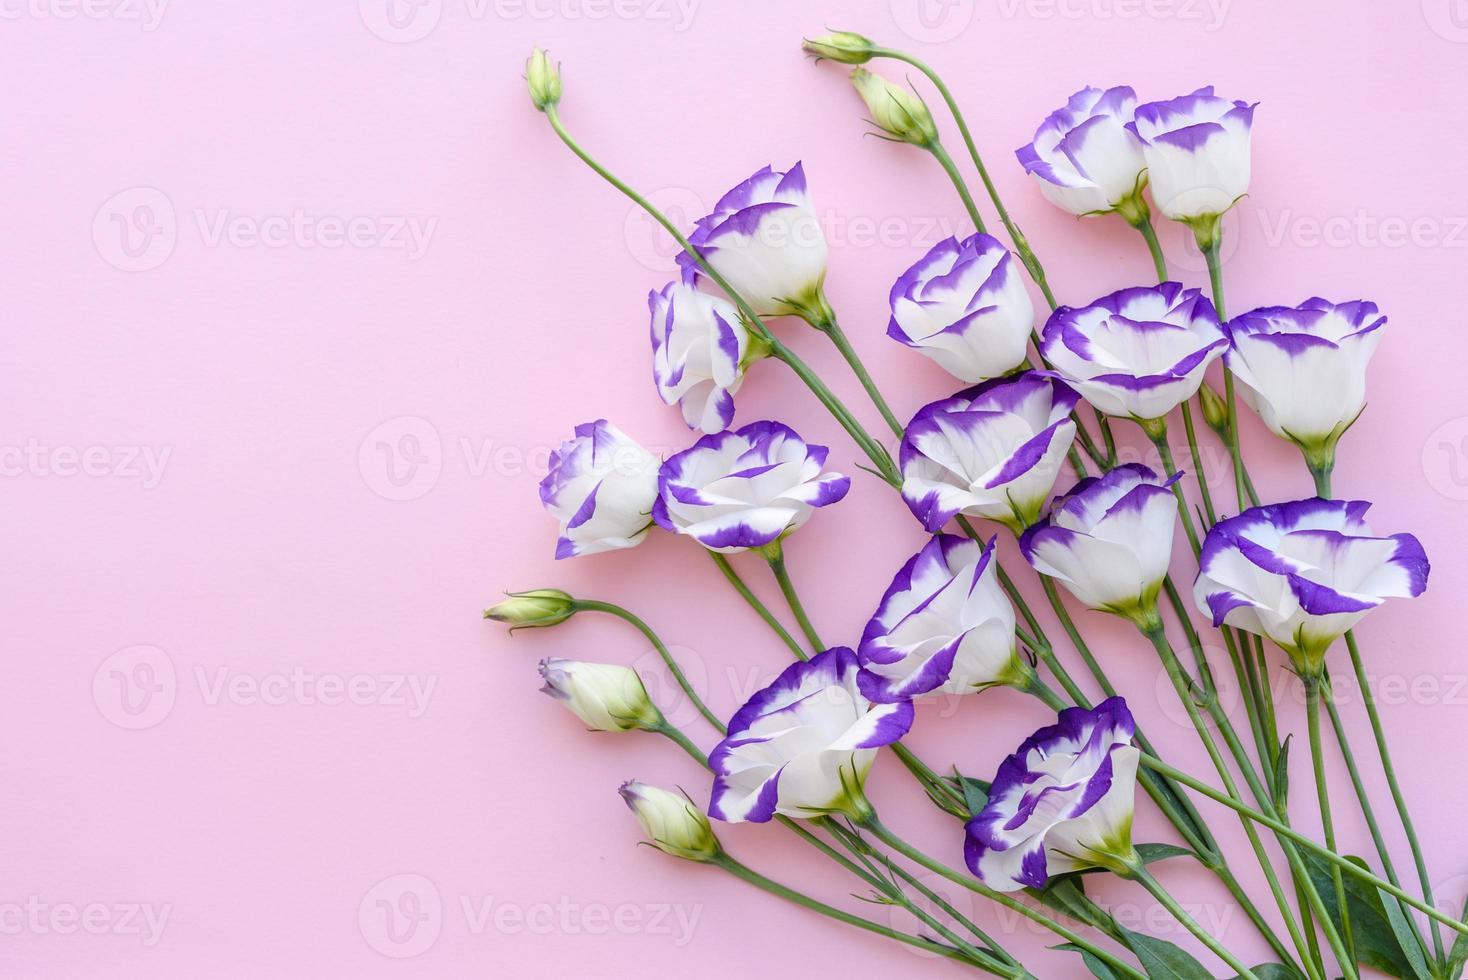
899,112
608,697
538,607
543,78
671,822
842,46
1215,411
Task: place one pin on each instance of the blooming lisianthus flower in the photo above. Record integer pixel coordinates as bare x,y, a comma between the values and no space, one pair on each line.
1084,157
1136,353
765,239
1303,369
965,306
944,626
1197,152
1304,572
802,746
601,487
698,347
746,488
1109,541
991,451
1063,802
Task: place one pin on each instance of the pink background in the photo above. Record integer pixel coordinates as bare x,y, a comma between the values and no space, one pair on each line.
209,705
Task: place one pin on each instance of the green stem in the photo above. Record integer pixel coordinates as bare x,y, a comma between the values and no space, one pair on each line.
779,350
843,344
886,836
591,605
773,887
675,735
946,161
1215,279
754,602
1147,881
1156,430
1321,476
1197,465
1322,791
775,555
1379,734
1159,261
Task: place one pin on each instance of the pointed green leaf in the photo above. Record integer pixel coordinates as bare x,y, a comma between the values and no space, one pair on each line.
1275,971
1161,852
1406,935
1377,945
1161,960
1098,969
1282,775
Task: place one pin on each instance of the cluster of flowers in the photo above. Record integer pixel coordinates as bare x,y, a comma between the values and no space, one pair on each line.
1300,573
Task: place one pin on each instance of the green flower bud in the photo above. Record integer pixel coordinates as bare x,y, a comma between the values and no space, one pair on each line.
1215,410
538,607
842,46
543,78
671,822
899,112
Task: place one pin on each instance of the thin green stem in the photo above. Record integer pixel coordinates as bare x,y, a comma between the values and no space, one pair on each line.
1159,261
591,605
843,344
747,874
1321,475
1144,877
886,836
756,604
1379,733
946,161
1215,279
775,556
1197,465
1156,430
675,735
1322,791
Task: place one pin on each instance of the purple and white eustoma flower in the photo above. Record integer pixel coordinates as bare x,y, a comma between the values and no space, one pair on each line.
944,626
1084,157
1136,353
802,746
601,487
1109,541
964,305
1063,802
745,489
1303,573
764,237
992,451
699,346
1303,369
1197,152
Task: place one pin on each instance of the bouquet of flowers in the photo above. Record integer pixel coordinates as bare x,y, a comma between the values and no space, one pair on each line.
1291,577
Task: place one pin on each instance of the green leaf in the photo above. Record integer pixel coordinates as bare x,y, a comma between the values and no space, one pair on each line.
1161,960
1275,971
1161,852
1458,955
1098,969
1067,895
1282,775
1406,935
1377,943
975,792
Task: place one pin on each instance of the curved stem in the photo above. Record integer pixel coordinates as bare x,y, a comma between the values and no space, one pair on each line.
843,344
886,836
612,609
675,735
1147,881
754,602
775,555
1159,261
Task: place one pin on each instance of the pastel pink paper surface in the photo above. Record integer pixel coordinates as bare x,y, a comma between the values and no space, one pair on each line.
302,305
